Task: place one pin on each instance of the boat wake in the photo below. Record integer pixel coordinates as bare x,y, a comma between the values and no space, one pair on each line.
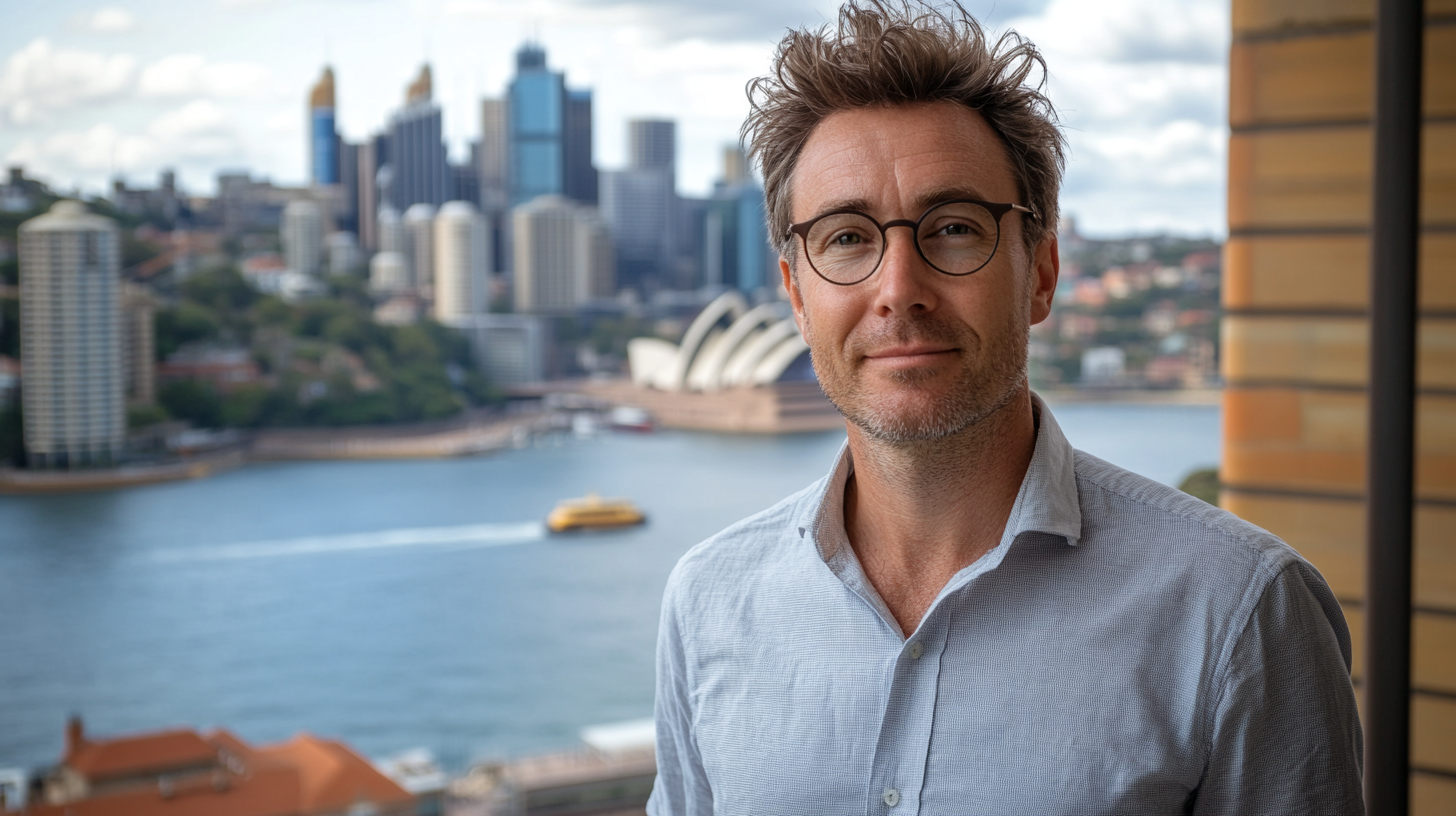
465,536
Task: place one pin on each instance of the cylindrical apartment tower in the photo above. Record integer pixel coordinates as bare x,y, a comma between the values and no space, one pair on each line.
462,267
70,341
303,236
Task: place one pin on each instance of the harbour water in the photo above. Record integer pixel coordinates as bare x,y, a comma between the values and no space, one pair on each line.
398,604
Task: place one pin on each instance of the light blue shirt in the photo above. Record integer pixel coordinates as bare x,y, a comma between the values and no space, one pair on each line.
1125,649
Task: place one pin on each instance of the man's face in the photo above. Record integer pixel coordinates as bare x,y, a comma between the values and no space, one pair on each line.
913,354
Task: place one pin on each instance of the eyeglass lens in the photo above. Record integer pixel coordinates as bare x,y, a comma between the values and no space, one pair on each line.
956,238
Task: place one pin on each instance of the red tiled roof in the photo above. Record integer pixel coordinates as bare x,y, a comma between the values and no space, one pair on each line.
142,754
305,776
334,777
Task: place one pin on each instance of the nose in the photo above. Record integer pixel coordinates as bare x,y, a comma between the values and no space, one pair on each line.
905,282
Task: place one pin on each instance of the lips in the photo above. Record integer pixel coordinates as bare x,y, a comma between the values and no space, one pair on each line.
910,350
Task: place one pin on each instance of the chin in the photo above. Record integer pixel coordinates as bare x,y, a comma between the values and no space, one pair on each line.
909,415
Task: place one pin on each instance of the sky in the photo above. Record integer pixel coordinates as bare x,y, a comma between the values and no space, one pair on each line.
91,89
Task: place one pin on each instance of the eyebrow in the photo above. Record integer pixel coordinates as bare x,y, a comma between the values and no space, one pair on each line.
923,202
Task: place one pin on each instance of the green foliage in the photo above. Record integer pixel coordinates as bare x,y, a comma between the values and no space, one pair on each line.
10,272
141,416
192,400
222,290
1203,484
325,361
184,323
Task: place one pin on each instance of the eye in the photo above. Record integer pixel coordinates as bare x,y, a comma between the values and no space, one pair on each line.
847,239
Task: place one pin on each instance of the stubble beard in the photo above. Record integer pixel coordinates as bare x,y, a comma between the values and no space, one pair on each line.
978,392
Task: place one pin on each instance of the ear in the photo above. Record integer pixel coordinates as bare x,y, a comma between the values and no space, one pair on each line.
1047,266
796,298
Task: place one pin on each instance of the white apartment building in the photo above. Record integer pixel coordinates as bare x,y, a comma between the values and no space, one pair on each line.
303,237
563,256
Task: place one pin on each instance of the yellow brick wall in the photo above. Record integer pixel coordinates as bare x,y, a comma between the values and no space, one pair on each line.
1296,334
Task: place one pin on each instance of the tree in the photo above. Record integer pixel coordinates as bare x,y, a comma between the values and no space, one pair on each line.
193,400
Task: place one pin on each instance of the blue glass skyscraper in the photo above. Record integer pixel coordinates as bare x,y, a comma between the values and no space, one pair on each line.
323,134
550,133
538,107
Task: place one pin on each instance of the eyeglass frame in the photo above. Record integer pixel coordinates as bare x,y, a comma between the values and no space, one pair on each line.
996,210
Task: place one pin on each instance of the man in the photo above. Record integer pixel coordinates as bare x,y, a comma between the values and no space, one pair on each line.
966,615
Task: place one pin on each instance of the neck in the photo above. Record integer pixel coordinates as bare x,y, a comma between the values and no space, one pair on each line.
918,513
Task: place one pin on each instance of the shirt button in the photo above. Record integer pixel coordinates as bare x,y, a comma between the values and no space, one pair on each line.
916,650
892,797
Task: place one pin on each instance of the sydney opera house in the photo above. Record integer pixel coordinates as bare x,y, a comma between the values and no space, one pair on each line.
738,368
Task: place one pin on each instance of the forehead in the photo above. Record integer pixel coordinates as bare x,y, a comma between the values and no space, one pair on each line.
888,159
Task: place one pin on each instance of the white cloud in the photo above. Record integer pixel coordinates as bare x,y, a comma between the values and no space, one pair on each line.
39,81
198,136
108,20
189,75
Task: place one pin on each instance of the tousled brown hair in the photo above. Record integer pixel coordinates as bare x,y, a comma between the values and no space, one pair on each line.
900,52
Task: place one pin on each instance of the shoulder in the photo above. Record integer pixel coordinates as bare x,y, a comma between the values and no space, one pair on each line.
1168,525
746,551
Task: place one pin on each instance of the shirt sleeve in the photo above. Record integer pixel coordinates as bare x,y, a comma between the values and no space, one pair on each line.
682,787
1286,735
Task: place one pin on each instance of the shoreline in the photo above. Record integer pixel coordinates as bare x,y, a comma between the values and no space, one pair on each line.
471,437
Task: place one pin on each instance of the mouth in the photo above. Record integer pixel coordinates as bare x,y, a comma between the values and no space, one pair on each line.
910,354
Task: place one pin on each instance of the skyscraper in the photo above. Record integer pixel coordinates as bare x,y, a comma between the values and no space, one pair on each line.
419,246
323,135
462,266
420,170
580,183
302,234
71,338
563,256
736,252
639,207
550,133
652,144
492,160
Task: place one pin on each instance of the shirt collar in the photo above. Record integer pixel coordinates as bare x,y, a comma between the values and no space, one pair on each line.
1046,502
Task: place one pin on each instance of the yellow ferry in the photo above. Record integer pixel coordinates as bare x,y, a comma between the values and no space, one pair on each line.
592,513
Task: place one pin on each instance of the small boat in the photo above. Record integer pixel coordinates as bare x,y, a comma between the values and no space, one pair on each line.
593,513
630,418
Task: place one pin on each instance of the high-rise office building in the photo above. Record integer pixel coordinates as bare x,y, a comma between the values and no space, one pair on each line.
462,262
367,194
71,338
347,217
302,234
550,133
652,144
323,150
419,246
492,160
419,167
736,252
580,182
563,256
638,205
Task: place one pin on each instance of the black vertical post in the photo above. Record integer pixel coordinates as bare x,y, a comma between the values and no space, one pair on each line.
1391,472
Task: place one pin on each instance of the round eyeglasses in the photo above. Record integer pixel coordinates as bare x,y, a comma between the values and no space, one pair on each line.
955,237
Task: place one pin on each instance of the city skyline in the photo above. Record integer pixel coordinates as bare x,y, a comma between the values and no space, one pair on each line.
88,88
